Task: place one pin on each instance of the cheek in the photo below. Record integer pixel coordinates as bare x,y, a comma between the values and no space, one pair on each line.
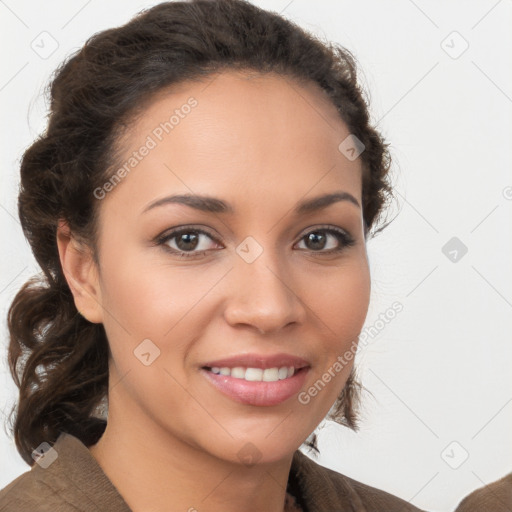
340,311
160,302
341,301
148,295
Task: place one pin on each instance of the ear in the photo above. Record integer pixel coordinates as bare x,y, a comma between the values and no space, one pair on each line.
81,273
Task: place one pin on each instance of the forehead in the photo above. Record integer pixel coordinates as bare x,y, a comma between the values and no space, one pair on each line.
239,132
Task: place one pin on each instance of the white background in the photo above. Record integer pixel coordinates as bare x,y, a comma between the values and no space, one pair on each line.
440,371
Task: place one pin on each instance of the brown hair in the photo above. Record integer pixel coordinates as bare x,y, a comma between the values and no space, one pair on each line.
59,360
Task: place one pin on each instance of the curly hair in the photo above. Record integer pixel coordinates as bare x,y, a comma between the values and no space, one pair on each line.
59,360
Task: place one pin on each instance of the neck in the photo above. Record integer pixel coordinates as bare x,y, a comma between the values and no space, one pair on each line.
152,469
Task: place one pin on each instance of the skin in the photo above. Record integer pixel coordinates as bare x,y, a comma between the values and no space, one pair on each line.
261,143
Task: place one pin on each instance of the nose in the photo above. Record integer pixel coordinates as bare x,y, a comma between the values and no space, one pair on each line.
263,295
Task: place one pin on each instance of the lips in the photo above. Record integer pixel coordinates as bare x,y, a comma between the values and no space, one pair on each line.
258,361
254,390
262,394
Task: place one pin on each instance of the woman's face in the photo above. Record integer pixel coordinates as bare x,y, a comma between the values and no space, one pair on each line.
249,275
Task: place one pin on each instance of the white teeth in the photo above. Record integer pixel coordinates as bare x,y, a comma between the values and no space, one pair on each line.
253,374
238,372
256,374
283,373
271,375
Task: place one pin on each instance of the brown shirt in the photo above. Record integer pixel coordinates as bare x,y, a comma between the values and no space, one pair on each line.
74,482
495,497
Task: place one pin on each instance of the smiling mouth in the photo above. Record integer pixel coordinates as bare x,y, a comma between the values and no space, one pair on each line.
257,386
255,374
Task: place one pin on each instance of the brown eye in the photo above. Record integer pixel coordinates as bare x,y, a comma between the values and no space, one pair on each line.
318,240
190,242
186,242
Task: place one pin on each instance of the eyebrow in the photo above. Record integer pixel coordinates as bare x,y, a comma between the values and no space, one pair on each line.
215,205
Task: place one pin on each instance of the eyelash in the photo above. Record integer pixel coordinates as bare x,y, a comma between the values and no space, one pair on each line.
343,237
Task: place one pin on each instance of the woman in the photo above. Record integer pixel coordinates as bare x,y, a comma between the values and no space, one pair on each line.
200,205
